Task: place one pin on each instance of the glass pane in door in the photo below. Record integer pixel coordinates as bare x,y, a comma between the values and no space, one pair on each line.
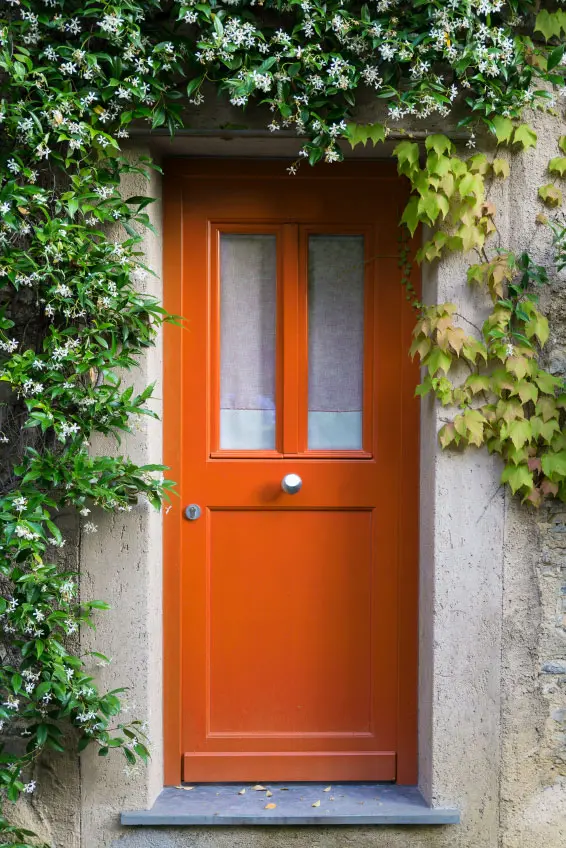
335,341
247,341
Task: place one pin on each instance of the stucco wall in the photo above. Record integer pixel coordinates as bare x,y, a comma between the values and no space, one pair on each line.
492,622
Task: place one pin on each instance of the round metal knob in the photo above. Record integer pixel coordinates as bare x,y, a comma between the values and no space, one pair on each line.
291,484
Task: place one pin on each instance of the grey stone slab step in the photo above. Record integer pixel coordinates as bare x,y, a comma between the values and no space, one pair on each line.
344,804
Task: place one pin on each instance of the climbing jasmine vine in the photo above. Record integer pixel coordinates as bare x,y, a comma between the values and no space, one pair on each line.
75,76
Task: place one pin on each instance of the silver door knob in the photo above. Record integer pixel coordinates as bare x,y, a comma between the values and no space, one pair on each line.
291,484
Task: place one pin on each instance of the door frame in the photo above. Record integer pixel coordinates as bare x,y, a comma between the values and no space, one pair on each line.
178,173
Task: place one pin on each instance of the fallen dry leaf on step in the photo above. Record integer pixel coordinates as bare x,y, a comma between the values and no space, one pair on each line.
316,804
270,806
186,788
242,792
328,788
259,788
268,794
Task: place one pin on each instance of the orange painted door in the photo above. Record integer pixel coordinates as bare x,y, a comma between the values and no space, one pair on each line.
291,616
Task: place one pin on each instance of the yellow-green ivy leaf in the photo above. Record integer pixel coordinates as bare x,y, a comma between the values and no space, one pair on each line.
500,168
518,477
407,154
526,390
474,348
550,194
410,215
562,143
557,165
438,360
432,205
471,237
478,383
537,326
447,184
544,429
362,133
471,184
517,455
519,432
525,136
503,129
546,408
546,382
447,435
458,166
474,422
478,163
554,465
550,23
439,165
439,143
517,365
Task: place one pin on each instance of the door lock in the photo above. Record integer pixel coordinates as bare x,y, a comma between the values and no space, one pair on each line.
192,512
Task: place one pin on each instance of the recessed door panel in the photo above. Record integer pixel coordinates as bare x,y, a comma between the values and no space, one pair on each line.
294,656
297,434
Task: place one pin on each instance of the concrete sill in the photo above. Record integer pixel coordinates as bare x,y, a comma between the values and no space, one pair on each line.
345,804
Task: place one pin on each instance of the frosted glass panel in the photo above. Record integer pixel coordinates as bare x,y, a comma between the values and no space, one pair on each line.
336,341
247,341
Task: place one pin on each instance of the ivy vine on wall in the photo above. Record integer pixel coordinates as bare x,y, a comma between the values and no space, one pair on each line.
74,76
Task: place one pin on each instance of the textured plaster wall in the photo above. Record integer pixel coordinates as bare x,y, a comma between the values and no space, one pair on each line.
533,776
122,564
492,621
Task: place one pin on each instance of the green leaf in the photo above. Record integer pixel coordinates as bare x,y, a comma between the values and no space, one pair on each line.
525,136
557,165
500,168
550,24
439,143
410,215
518,477
437,360
550,194
555,57
474,421
41,733
431,205
554,465
527,391
407,154
362,133
546,382
503,128
538,326
519,432
477,383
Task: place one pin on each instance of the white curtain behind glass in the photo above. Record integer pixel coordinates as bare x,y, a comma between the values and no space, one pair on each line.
336,341
247,341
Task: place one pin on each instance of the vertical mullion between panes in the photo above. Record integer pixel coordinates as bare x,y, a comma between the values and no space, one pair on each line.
288,343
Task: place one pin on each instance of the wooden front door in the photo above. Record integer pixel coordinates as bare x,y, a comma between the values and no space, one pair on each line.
290,617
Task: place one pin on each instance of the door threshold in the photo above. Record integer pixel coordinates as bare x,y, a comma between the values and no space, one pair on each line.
221,804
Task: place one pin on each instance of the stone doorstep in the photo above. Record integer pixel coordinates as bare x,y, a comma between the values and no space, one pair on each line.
344,804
